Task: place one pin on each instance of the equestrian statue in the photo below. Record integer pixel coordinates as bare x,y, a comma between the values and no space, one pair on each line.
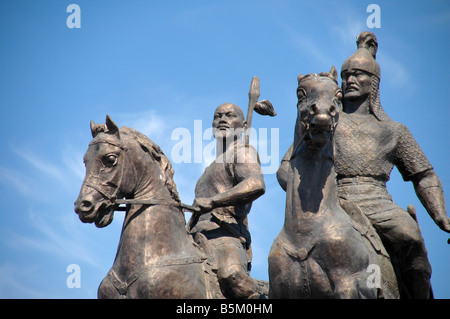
367,144
157,257
321,251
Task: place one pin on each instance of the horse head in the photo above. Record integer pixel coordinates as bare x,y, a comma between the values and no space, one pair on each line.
121,164
319,102
105,169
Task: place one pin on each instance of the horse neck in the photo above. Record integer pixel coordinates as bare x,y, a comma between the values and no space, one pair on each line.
150,232
317,190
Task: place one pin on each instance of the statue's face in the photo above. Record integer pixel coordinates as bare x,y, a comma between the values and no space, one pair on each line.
356,84
228,121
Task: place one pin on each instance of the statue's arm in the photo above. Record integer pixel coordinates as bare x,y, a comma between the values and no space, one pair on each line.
250,183
248,175
283,171
414,165
429,190
246,191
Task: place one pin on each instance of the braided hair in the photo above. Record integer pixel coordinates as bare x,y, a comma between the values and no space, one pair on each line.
368,41
374,101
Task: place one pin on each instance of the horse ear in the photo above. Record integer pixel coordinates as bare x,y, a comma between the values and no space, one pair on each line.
111,126
333,73
93,129
97,128
300,77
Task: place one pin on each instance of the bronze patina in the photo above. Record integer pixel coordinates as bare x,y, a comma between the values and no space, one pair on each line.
321,252
224,193
156,257
368,145
340,219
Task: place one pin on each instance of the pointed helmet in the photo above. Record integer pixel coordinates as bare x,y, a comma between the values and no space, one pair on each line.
364,59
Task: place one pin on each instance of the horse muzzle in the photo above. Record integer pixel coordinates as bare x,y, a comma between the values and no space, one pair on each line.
90,211
85,208
320,129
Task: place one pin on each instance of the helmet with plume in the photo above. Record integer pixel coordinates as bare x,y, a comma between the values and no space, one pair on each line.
364,59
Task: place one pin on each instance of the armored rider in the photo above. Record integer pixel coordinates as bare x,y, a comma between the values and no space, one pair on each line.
368,145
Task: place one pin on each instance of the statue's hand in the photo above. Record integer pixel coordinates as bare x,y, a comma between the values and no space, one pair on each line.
205,204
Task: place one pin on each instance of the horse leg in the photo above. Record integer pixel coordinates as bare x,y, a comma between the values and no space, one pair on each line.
346,256
106,290
284,274
277,288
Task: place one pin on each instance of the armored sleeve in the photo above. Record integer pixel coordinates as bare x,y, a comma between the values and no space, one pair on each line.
410,159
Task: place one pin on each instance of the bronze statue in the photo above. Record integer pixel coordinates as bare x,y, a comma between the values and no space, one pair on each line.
156,257
368,145
224,194
321,252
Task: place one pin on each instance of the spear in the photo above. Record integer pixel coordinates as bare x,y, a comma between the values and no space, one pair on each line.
263,107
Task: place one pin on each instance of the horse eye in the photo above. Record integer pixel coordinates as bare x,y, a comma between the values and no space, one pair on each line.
110,160
339,95
301,94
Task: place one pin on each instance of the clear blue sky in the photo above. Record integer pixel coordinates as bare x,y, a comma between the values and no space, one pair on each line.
161,65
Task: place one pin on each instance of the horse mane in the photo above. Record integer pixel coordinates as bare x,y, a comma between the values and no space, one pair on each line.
157,154
330,75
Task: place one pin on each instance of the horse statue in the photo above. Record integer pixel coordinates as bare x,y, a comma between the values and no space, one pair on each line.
323,251
156,257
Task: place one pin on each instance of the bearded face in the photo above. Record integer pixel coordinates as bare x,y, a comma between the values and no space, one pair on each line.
228,121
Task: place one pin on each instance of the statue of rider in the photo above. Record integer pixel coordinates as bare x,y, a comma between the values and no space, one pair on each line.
368,145
224,193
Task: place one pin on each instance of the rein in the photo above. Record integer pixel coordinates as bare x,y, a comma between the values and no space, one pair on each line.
152,202
113,200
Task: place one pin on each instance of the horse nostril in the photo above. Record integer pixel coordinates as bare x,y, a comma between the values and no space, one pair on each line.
313,109
86,204
332,110
83,206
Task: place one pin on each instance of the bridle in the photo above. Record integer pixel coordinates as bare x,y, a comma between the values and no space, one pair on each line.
110,198
307,131
113,199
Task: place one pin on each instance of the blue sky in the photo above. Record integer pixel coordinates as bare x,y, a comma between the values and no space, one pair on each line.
161,65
